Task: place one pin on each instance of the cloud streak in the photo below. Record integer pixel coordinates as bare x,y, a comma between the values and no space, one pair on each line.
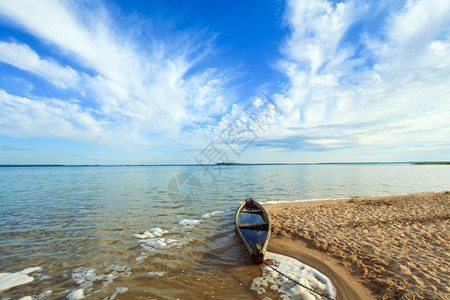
127,91
383,88
358,76
23,57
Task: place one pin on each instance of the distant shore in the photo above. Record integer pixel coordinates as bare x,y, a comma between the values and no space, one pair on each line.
227,164
390,247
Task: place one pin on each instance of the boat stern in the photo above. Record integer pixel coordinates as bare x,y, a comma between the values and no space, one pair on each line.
258,258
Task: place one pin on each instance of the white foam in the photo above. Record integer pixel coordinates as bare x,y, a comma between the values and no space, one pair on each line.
26,298
116,271
295,201
141,258
86,277
9,280
160,274
160,244
188,223
152,241
31,270
158,231
154,232
145,235
155,243
327,199
209,215
76,294
119,290
306,275
45,294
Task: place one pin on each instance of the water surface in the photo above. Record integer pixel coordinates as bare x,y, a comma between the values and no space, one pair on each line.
84,226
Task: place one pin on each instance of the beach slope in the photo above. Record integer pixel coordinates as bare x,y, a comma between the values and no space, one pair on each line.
396,247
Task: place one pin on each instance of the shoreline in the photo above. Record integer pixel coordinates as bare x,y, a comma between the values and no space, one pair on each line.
388,247
331,200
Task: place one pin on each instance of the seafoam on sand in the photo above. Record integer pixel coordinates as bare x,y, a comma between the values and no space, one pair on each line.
287,289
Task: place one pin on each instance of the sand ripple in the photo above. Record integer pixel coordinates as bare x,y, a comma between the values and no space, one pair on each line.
398,246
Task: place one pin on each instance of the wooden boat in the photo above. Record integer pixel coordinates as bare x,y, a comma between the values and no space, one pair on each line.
253,227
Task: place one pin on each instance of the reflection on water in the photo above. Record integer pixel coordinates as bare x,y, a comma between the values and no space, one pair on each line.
250,218
79,224
254,237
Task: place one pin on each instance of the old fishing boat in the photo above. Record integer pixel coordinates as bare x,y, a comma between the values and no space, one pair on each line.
253,227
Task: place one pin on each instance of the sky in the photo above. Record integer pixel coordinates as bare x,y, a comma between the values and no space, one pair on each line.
170,82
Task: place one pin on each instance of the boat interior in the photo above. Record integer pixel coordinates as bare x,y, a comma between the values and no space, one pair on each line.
252,225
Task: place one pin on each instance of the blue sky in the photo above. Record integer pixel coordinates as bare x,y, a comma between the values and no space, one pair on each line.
149,82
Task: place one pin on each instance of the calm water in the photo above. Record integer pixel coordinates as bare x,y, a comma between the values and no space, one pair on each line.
85,226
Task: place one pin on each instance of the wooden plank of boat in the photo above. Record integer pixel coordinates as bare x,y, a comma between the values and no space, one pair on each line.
251,211
253,228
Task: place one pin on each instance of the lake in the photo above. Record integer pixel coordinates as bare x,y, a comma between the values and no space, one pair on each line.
161,231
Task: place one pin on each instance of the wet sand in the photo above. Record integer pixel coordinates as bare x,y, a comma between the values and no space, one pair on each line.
391,247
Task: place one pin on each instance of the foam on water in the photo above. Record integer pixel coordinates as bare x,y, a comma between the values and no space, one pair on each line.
86,278
294,201
158,231
45,294
306,275
119,290
9,280
326,199
153,241
160,244
209,215
157,244
40,296
76,294
145,235
154,232
189,223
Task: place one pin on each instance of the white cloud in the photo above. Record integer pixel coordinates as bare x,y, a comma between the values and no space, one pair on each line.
385,86
144,85
22,57
418,21
53,118
316,29
394,94
23,117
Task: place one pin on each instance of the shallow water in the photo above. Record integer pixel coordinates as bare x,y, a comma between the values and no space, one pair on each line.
85,226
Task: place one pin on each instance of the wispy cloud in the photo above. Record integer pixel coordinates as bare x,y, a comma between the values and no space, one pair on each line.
360,75
13,148
53,118
22,57
131,88
385,87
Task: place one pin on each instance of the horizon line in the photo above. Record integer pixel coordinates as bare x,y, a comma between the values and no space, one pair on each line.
221,163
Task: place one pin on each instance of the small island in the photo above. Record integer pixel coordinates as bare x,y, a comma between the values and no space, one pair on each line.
230,164
432,163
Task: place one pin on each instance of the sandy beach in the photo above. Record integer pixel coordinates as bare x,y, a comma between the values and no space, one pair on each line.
390,247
